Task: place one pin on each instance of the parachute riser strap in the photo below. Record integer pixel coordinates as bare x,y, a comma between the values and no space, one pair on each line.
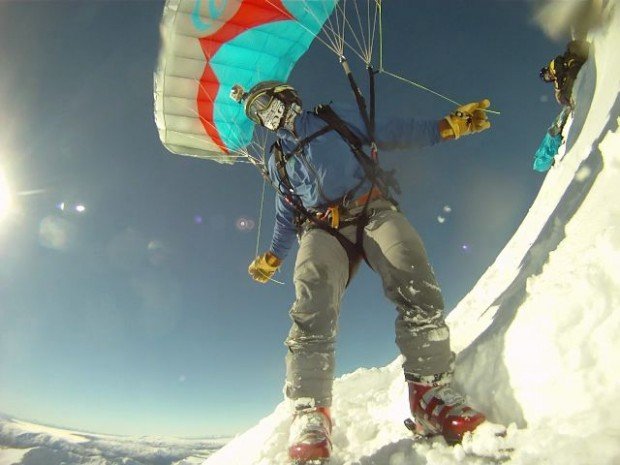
359,99
304,142
381,179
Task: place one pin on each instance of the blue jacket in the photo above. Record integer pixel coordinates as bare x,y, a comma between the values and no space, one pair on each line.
327,169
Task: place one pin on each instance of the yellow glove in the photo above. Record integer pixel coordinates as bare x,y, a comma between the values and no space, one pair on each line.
263,267
466,119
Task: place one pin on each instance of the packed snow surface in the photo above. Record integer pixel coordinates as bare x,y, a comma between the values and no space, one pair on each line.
537,337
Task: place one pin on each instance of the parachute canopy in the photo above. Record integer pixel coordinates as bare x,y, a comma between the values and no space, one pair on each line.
210,45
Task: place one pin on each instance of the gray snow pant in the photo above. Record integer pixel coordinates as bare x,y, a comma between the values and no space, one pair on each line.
395,251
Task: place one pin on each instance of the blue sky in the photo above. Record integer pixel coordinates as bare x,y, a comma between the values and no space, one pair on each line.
136,315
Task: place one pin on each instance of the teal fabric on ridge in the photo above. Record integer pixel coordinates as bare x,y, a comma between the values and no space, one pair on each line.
543,159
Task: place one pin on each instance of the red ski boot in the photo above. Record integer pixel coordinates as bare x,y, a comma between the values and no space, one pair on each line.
310,441
441,410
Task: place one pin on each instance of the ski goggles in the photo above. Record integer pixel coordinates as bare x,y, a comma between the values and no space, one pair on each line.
271,116
547,73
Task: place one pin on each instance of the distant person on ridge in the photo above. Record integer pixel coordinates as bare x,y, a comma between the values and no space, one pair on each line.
562,72
337,200
563,69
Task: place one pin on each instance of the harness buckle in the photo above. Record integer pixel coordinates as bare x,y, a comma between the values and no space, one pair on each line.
331,215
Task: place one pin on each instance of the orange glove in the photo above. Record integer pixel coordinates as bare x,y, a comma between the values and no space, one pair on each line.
263,267
466,119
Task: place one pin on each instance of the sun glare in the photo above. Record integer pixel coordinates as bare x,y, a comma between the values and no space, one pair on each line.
5,196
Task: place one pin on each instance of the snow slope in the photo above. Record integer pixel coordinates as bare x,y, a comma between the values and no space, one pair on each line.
537,336
23,443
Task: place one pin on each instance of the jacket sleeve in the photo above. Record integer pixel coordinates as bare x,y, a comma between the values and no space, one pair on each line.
284,230
393,133
406,133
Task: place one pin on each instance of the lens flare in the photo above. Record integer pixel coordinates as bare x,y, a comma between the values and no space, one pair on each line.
244,224
445,212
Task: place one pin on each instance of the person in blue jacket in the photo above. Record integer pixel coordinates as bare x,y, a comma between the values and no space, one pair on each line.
337,201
